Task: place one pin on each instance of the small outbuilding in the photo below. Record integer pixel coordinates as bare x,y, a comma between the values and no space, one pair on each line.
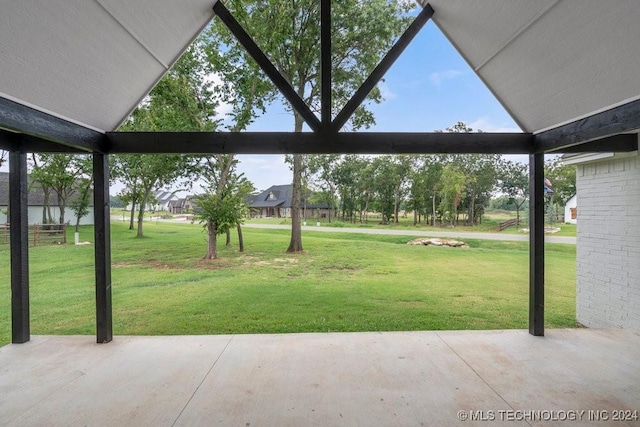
571,210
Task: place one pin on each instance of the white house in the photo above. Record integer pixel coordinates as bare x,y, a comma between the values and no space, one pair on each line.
571,210
163,198
36,205
608,250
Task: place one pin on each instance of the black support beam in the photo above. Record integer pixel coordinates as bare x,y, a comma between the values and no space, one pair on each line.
26,120
32,144
618,120
623,143
325,64
104,328
19,241
266,65
318,143
536,244
384,65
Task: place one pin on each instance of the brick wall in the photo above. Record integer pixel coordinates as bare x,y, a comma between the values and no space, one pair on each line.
608,258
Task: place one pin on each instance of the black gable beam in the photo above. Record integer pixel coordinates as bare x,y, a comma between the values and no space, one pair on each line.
384,65
318,143
618,120
45,127
266,65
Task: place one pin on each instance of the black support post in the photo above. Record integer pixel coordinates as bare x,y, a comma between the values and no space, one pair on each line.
536,244
19,235
102,247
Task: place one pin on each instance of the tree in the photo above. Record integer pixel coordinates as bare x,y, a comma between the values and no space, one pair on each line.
389,184
80,206
514,182
222,206
362,31
183,100
60,174
323,169
146,172
453,183
563,184
562,178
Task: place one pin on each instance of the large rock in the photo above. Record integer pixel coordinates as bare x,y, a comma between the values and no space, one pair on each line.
437,242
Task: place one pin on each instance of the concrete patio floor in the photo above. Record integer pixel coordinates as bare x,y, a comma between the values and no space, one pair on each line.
351,379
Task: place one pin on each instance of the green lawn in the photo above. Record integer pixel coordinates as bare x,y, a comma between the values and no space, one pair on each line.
343,282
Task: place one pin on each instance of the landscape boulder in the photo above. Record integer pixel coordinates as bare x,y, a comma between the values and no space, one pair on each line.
437,242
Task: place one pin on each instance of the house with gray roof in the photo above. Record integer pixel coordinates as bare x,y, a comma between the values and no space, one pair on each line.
277,200
36,202
163,199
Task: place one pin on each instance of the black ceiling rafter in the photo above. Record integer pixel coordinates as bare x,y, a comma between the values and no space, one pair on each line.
618,120
48,132
266,65
319,143
380,70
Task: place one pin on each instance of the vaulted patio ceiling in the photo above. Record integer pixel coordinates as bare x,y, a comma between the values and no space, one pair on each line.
73,70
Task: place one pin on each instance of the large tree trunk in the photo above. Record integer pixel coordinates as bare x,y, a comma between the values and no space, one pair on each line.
295,245
46,207
433,212
143,204
228,237
212,248
472,209
240,239
133,213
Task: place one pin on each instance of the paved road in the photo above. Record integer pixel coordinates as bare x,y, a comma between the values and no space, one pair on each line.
420,233
386,231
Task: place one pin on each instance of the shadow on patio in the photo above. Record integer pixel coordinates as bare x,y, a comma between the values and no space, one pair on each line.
389,378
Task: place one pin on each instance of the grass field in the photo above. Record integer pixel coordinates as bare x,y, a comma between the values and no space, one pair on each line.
343,282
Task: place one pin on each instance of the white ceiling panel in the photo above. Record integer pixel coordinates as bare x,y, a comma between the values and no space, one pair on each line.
75,59
164,27
571,62
481,28
572,58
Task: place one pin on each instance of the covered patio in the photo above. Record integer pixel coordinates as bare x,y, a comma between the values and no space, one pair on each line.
566,70
581,376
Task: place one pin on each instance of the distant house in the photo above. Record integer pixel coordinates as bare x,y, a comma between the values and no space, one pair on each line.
276,202
161,202
36,206
163,198
181,206
571,210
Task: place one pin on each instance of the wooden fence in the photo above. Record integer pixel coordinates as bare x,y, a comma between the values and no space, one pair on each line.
507,224
39,234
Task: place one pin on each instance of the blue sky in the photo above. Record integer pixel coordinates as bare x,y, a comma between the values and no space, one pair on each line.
429,87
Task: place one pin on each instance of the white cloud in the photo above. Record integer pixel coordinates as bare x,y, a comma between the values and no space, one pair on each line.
265,170
437,78
386,91
484,124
